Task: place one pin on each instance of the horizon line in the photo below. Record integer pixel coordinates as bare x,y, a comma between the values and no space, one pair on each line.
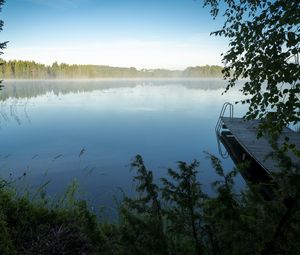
105,65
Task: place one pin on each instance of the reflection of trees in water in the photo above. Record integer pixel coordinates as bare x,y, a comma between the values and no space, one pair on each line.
28,89
14,110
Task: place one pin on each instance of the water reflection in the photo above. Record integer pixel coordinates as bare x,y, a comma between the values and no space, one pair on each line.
89,131
34,88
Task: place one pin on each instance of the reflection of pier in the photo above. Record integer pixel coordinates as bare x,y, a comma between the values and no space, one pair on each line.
239,138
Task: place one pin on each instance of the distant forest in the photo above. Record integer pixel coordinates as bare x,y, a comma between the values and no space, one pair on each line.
16,69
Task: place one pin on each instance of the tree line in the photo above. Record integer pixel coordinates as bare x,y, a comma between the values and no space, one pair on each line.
17,69
175,216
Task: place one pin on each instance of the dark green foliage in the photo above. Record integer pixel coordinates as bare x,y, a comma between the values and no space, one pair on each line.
227,223
222,215
175,217
33,228
31,70
143,229
264,48
186,200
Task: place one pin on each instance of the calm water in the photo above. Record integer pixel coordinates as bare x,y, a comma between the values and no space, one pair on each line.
90,130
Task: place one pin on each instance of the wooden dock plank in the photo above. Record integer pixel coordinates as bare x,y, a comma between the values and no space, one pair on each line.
245,132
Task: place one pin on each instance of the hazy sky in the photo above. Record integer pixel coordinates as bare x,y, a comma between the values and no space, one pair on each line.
170,34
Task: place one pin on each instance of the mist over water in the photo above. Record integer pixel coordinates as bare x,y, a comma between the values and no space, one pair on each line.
88,131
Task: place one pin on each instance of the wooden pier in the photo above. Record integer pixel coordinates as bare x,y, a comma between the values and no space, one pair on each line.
244,134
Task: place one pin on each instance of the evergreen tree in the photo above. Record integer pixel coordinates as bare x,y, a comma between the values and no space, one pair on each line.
186,199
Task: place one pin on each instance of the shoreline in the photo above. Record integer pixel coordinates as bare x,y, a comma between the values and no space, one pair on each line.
117,79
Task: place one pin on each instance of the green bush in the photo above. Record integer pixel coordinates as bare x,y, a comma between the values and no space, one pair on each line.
172,217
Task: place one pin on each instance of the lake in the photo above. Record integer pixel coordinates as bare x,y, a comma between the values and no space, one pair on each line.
88,131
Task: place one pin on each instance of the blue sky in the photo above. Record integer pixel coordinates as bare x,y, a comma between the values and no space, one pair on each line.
170,34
